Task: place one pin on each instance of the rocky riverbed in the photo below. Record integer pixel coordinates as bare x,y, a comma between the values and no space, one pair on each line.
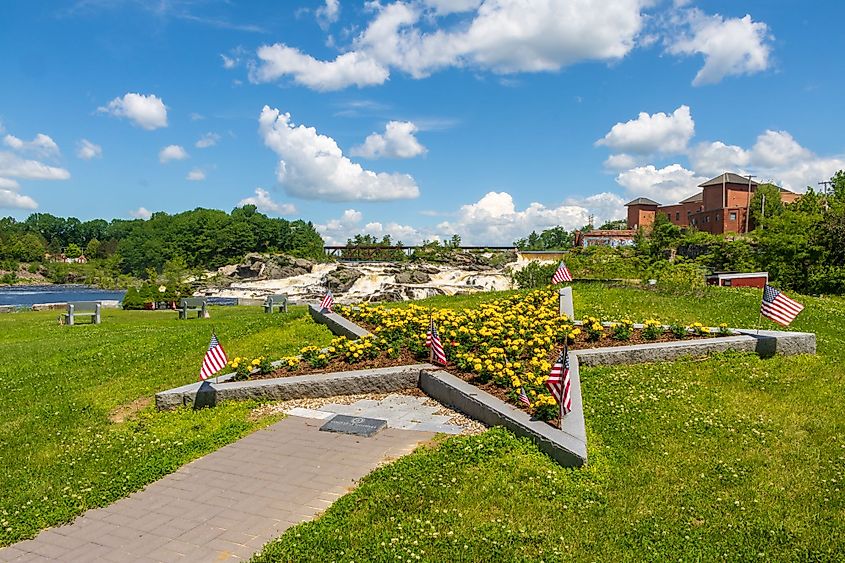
302,280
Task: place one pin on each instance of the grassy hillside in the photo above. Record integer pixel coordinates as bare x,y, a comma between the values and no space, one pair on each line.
729,458
77,429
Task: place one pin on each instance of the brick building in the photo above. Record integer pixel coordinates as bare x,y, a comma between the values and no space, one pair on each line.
720,207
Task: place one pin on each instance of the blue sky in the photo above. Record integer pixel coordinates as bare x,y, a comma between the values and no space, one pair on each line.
420,118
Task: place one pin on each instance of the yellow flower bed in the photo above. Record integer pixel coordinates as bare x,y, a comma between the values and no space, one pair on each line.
509,342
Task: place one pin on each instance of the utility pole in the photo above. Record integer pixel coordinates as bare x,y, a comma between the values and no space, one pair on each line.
748,206
826,185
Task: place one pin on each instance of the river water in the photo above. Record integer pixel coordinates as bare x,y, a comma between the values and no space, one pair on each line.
25,295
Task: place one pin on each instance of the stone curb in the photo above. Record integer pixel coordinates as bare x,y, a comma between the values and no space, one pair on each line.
337,324
766,344
209,393
567,446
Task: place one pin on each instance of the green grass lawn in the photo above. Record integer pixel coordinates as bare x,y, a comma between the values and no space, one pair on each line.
77,427
728,458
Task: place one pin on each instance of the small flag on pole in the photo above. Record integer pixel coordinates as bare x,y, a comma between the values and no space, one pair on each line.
523,398
559,383
433,340
562,274
327,302
778,307
215,359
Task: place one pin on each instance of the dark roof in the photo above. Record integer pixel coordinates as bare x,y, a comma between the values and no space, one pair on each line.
693,198
641,201
728,178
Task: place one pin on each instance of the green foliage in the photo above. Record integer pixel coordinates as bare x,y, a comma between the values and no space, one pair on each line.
368,247
202,238
773,205
604,262
617,225
133,299
679,277
73,251
556,238
534,275
696,460
79,428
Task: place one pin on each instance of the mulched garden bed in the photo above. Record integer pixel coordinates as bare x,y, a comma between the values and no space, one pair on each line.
339,364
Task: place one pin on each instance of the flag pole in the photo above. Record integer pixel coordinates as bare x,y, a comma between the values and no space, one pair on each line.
430,336
565,363
217,375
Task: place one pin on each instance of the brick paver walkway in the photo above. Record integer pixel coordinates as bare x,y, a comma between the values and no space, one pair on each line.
228,504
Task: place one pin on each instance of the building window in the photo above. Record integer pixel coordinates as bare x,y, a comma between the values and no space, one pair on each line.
677,215
669,216
733,215
718,217
707,218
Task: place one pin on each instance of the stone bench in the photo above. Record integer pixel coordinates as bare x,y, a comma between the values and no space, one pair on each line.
273,301
189,304
82,308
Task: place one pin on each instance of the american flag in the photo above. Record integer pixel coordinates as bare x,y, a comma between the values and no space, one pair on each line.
433,339
559,383
215,359
779,307
523,397
327,302
562,274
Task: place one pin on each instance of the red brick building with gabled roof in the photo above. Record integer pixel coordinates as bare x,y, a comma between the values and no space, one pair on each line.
720,207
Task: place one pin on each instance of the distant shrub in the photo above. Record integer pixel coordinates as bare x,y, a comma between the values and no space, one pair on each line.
680,277
132,299
534,275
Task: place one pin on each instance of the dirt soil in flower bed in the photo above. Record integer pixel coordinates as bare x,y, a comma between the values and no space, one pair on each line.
607,339
339,364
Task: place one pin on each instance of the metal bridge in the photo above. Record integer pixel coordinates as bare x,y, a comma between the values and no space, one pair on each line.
375,252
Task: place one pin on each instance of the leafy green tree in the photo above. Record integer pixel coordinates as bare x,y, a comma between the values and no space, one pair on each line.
93,249
73,251
28,247
771,195
133,299
617,225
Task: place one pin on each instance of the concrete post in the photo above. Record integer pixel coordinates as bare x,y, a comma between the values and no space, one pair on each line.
566,306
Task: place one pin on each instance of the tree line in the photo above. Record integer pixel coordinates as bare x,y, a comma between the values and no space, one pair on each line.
201,238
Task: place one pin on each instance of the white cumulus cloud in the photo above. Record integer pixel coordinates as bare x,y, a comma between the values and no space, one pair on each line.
339,230
775,157
620,161
495,219
41,146
328,13
195,175
348,69
312,166
666,185
397,141
730,46
172,152
141,213
265,203
652,133
207,140
503,36
86,150
146,111
11,199
14,166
